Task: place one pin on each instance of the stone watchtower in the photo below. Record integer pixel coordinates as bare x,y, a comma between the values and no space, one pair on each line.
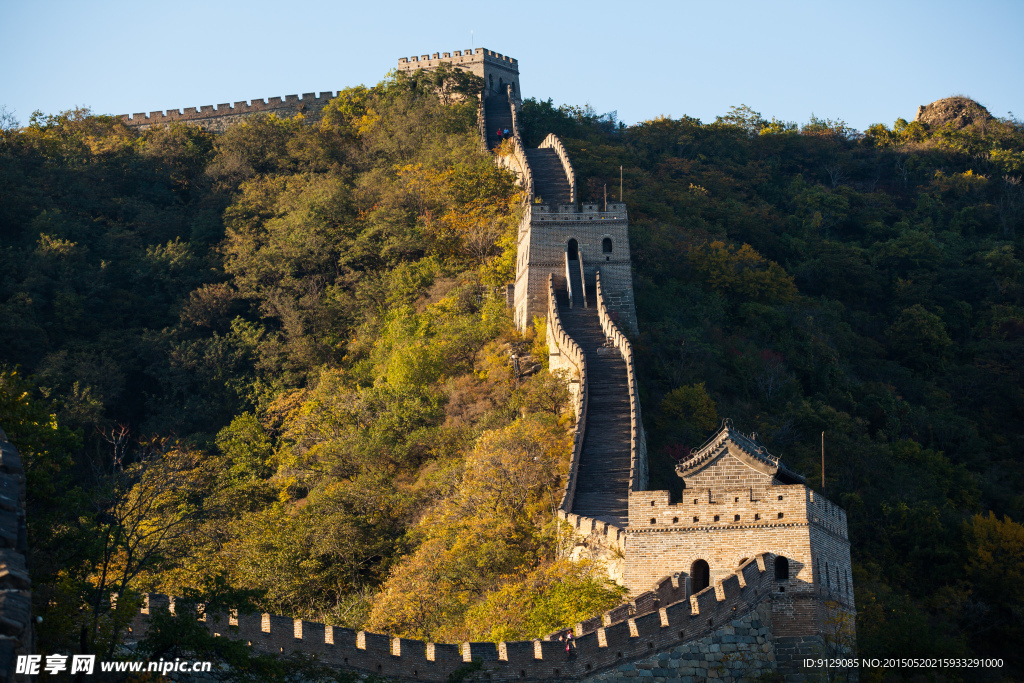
739,501
500,73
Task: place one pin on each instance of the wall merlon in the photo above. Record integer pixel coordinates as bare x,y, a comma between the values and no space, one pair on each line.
415,650
731,587
486,652
444,653
375,643
679,613
620,613
705,601
517,651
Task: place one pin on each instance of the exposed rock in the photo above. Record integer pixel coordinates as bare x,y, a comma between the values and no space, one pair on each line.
958,110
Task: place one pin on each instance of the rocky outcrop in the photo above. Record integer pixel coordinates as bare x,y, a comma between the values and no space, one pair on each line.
958,110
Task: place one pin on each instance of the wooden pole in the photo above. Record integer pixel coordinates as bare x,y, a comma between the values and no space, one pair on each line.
823,462
620,183
606,197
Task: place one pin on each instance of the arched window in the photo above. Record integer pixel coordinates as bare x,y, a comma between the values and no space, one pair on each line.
574,250
781,568
606,245
700,573
492,81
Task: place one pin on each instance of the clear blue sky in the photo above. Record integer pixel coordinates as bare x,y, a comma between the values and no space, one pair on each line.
864,62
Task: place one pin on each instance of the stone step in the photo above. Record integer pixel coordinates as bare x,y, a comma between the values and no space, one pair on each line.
602,483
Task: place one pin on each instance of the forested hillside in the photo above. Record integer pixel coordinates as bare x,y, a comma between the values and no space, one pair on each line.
273,366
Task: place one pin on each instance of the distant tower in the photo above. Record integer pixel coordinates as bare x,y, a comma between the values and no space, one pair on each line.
496,69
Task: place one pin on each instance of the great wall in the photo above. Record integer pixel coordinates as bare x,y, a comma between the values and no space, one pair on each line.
16,633
744,577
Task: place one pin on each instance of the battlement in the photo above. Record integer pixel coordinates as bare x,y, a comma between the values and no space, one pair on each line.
565,354
638,440
611,535
308,104
479,54
542,213
498,71
663,617
740,508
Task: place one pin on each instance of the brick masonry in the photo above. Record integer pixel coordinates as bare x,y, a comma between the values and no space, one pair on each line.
219,118
732,630
739,501
16,633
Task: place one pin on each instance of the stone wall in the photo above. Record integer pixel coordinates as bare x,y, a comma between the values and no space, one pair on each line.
565,355
742,650
16,633
217,119
638,440
665,620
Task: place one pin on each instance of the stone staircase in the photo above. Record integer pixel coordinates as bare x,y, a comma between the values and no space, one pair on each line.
549,180
497,114
602,483
602,480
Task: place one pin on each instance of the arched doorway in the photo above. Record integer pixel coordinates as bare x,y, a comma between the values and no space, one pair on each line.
574,250
781,568
700,574
606,245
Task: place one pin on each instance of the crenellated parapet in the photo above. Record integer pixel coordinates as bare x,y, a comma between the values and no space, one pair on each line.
638,473
655,620
458,57
565,354
513,157
552,142
497,70
218,117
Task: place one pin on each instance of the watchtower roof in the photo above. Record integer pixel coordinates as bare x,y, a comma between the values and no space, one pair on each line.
743,445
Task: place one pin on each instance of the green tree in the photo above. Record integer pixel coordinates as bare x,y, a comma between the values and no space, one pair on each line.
919,338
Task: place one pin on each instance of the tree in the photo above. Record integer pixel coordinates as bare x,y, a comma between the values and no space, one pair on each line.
919,338
689,412
148,500
745,118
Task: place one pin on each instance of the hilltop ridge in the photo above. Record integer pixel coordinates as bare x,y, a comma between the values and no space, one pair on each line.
959,110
